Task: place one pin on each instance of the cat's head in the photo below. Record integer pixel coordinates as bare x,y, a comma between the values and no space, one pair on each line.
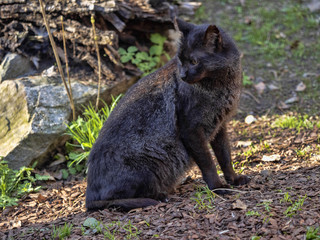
205,52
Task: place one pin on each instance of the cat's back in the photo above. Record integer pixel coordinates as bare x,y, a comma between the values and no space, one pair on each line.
146,110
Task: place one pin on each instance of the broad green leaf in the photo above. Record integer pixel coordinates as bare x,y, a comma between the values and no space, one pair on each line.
42,177
65,174
155,50
90,222
136,61
132,49
125,58
142,56
157,38
122,51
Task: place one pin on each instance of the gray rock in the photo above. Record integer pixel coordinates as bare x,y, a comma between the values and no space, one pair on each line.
13,66
34,112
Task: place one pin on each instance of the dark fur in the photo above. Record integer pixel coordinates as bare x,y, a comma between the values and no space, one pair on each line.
164,123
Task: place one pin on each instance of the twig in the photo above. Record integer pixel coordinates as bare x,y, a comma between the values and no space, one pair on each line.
229,189
67,68
99,61
54,48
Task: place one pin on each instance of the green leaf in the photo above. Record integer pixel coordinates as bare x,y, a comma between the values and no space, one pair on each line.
65,173
155,50
42,177
72,170
79,167
132,49
142,56
125,58
156,59
157,38
122,51
90,222
136,61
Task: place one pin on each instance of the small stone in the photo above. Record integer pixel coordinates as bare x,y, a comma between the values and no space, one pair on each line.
14,66
300,87
260,87
271,158
250,119
292,100
273,87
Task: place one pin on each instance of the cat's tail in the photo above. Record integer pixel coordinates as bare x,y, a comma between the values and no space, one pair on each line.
122,204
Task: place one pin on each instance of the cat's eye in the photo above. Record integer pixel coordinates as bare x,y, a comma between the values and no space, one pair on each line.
194,61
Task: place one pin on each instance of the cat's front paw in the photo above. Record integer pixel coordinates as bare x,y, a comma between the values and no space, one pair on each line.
240,180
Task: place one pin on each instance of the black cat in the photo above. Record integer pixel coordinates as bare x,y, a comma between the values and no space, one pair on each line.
165,122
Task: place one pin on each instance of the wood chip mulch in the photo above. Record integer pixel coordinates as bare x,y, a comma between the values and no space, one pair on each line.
271,157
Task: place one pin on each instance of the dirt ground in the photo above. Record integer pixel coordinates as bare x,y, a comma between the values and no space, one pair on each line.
267,207
282,200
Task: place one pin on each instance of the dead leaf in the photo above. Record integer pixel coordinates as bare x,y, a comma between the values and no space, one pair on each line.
41,198
61,159
271,158
260,87
300,87
282,105
244,143
273,87
292,100
239,205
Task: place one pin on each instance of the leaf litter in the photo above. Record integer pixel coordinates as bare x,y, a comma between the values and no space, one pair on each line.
256,209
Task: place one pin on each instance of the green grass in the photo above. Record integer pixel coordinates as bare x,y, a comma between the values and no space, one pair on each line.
295,122
295,207
61,232
279,41
16,183
85,130
111,230
253,213
313,233
204,199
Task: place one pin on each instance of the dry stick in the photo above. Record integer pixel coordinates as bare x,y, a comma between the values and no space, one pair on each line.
99,61
67,68
54,48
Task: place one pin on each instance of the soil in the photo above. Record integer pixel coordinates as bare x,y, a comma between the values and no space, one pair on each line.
281,201
276,171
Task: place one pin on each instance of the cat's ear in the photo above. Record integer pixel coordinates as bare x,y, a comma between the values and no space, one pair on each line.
212,37
183,26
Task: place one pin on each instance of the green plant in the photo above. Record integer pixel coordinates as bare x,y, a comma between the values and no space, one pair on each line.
85,130
253,213
286,198
295,207
131,230
251,151
241,166
266,205
294,122
246,80
255,238
16,183
313,233
305,152
200,14
61,232
147,62
204,198
110,230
